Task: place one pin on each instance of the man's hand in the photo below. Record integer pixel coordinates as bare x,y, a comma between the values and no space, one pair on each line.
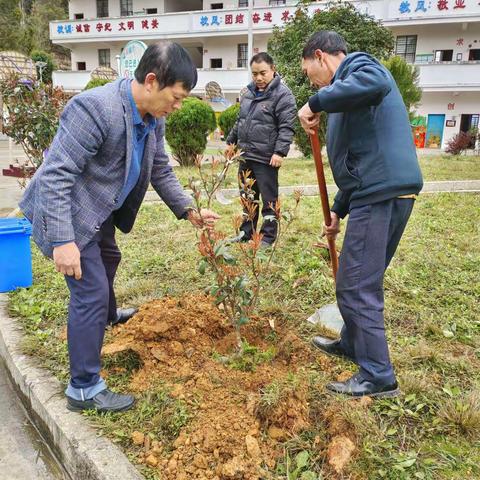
207,218
276,160
229,151
308,119
67,260
333,229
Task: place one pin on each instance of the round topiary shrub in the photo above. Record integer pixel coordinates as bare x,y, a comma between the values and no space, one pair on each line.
187,130
96,82
46,71
227,119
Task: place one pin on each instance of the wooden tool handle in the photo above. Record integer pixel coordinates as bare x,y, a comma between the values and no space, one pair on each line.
322,185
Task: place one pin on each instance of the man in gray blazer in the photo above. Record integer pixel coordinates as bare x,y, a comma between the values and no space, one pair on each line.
109,146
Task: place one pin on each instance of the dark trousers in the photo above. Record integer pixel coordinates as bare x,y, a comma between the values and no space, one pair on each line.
266,185
372,236
92,305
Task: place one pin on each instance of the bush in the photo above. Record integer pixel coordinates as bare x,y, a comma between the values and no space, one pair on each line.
460,142
187,130
32,114
361,32
406,77
96,82
227,119
40,56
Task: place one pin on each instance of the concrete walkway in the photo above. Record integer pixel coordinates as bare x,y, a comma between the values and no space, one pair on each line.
10,191
23,454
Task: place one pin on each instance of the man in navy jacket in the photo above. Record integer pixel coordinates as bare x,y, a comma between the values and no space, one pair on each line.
374,164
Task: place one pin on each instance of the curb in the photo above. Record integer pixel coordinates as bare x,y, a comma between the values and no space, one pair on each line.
447,186
82,453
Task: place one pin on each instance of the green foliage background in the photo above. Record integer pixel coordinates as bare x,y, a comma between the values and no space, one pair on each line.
96,82
24,25
42,56
406,77
187,130
227,119
33,111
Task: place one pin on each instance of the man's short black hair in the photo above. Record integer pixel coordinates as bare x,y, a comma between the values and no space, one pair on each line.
170,62
326,41
262,57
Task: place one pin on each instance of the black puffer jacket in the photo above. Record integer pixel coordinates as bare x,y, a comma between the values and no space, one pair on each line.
265,124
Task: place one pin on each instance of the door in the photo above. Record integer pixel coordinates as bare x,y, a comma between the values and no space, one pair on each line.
435,130
469,122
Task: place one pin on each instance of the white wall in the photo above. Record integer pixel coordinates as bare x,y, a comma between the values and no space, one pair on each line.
88,9
226,3
230,4
260,43
86,54
196,54
182,5
433,37
89,54
226,48
139,5
437,103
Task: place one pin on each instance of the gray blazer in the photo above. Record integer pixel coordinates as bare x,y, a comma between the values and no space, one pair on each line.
77,187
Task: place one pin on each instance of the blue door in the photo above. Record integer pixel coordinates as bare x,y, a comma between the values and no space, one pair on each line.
435,131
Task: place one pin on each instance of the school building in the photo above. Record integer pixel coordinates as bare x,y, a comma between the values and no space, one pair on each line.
441,37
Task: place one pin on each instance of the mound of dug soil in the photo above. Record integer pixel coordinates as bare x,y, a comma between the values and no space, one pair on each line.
238,417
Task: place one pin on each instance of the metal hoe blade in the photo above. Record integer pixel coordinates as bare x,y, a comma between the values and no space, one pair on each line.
328,316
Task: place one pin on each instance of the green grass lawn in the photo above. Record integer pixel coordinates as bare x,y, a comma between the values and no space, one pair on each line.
301,171
432,314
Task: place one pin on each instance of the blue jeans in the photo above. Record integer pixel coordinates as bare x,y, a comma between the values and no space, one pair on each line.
372,236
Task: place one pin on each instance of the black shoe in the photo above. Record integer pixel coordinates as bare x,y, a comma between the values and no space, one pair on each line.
264,245
105,401
240,238
357,386
331,347
124,315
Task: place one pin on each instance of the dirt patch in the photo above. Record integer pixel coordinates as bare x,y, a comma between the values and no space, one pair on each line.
340,452
239,417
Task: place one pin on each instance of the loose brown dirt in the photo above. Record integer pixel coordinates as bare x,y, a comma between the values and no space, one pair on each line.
235,432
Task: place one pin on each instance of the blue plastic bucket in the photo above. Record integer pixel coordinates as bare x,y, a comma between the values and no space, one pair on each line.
15,254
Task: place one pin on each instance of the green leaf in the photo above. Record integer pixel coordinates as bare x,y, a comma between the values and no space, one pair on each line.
202,267
243,320
302,459
309,476
448,333
406,463
410,398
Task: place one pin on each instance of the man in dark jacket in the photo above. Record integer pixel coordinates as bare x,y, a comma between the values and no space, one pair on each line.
374,164
264,132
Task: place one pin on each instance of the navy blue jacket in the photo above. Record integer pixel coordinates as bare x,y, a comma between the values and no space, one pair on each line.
369,140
